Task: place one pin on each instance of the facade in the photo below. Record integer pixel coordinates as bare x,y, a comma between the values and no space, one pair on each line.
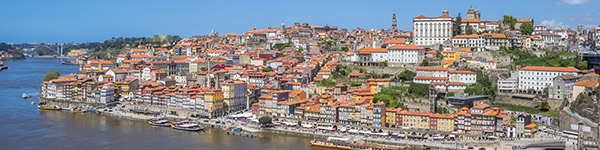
562,87
534,78
406,54
430,31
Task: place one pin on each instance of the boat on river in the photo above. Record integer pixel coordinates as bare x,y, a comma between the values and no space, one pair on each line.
187,126
78,110
349,144
160,123
25,96
48,107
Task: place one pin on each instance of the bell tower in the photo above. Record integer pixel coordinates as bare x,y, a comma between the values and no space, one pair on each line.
394,22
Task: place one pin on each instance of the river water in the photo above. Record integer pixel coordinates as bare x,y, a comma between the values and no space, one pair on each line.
23,126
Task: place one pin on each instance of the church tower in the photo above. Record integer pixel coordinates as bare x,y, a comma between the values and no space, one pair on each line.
394,22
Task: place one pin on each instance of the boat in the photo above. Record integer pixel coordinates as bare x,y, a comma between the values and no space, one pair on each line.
160,123
187,126
349,144
238,131
48,107
77,110
25,96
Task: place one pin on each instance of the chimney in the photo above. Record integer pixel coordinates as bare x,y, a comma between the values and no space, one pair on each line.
254,28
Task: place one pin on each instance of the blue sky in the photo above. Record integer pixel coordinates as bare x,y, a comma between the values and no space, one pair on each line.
61,21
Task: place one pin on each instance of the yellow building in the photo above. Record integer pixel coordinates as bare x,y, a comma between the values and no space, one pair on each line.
390,117
375,85
213,99
455,55
417,120
450,57
442,122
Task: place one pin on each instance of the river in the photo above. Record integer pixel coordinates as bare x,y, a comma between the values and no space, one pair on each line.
26,127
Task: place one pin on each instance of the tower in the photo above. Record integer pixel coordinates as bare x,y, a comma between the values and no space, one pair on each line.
471,13
445,12
394,22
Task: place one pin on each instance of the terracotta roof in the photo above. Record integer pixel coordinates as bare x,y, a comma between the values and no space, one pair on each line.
469,20
587,83
432,69
558,69
411,47
372,50
430,78
395,41
461,72
467,36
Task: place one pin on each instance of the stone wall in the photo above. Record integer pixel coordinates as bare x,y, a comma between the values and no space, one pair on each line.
568,118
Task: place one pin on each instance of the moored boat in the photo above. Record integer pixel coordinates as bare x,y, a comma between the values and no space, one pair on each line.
77,110
348,144
48,107
187,126
160,123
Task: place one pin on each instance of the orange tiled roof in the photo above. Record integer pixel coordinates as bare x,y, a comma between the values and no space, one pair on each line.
395,41
587,83
432,69
372,50
411,47
558,69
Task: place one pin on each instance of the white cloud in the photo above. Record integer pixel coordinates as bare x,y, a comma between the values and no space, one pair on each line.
552,24
575,2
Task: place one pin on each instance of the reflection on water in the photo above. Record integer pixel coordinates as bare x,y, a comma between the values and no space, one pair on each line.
26,127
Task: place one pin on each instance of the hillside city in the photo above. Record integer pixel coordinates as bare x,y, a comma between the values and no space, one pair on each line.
498,79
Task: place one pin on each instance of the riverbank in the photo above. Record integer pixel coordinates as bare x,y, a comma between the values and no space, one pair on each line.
124,111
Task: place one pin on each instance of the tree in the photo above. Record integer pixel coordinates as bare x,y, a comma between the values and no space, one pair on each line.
469,29
267,69
419,90
457,30
509,20
265,120
407,75
526,28
383,63
544,106
425,62
51,75
345,49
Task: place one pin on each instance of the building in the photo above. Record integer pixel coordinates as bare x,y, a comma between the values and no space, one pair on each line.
428,31
535,78
583,86
562,87
405,54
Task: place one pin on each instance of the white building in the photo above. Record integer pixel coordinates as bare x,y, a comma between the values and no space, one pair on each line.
468,77
107,93
432,72
411,54
464,41
537,78
430,31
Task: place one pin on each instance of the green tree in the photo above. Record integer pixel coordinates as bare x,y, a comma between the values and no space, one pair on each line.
469,29
267,69
418,90
509,20
526,28
457,30
265,120
51,75
383,63
543,106
345,49
425,62
406,75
